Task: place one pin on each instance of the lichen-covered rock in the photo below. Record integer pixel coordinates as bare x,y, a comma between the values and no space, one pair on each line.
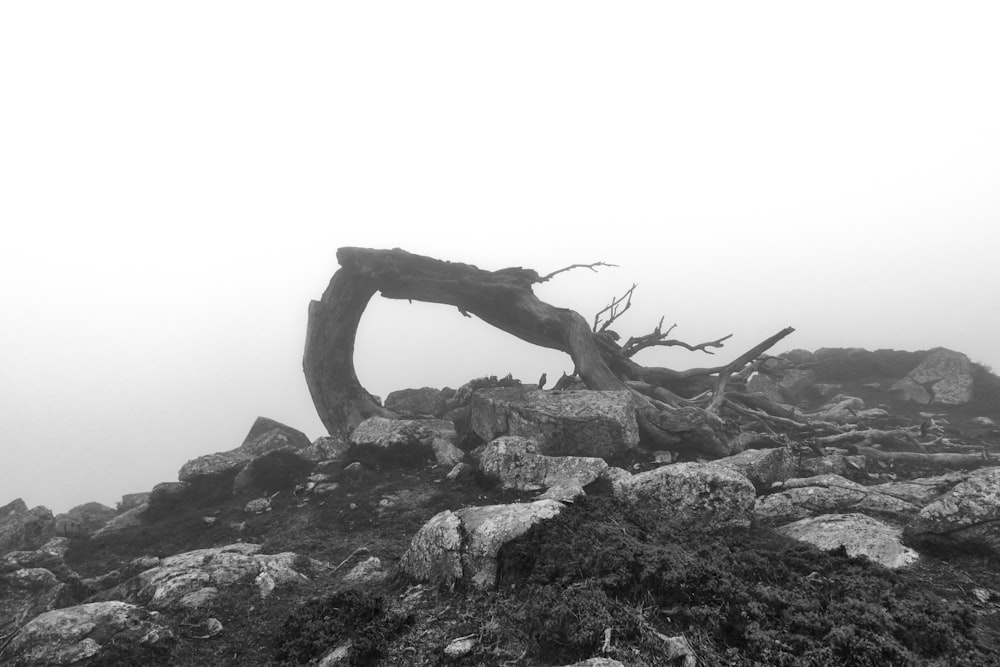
765,385
515,461
464,544
129,519
907,389
266,435
271,472
24,529
922,490
829,494
180,580
366,573
32,582
563,423
796,384
326,448
703,494
132,500
406,441
422,401
831,464
968,513
71,635
859,534
597,662
763,467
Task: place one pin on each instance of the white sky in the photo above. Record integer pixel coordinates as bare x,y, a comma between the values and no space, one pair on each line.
175,179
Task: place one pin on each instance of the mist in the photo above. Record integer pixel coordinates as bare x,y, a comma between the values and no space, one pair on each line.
176,182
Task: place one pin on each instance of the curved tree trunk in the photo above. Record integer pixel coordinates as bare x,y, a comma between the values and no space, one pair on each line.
505,300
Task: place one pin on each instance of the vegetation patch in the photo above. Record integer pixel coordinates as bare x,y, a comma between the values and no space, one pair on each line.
742,598
322,624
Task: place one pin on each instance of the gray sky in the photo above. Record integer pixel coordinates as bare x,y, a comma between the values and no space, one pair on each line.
175,180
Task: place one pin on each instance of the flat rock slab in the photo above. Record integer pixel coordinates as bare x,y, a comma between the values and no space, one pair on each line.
71,635
829,494
191,579
406,441
563,423
703,494
859,534
463,545
515,461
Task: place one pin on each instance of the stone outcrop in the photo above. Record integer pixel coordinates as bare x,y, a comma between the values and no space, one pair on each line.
406,441
423,401
563,423
763,467
74,634
83,520
266,435
944,376
968,513
463,545
699,494
32,582
192,579
515,462
22,528
859,534
830,494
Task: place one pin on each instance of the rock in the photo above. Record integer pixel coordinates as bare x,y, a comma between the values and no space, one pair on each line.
597,662
704,494
664,457
339,655
423,401
271,472
461,647
130,519
948,374
515,462
464,544
71,635
265,435
763,467
32,582
617,478
325,488
563,423
764,384
209,628
258,506
906,389
846,409
984,421
563,492
405,441
829,494
166,498
969,513
797,384
83,520
366,573
24,529
460,471
860,535
326,448
132,500
181,580
831,464
825,390
922,490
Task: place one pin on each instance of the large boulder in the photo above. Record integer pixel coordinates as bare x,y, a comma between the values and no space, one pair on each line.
947,375
193,579
266,435
32,582
74,634
404,442
860,535
797,384
423,401
968,513
516,463
463,545
694,493
22,528
829,494
763,467
563,423
906,389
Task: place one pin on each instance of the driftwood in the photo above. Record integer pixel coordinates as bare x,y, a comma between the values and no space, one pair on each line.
942,460
677,410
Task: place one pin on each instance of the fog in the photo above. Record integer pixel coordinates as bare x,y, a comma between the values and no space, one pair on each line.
175,181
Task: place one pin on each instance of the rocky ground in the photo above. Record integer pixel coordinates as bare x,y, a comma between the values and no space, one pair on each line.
499,525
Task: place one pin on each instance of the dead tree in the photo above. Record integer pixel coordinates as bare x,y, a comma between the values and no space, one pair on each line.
684,411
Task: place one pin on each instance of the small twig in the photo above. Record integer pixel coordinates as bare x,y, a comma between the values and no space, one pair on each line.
613,310
575,266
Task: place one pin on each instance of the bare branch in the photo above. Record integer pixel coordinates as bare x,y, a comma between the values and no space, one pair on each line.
658,338
738,363
613,309
575,266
